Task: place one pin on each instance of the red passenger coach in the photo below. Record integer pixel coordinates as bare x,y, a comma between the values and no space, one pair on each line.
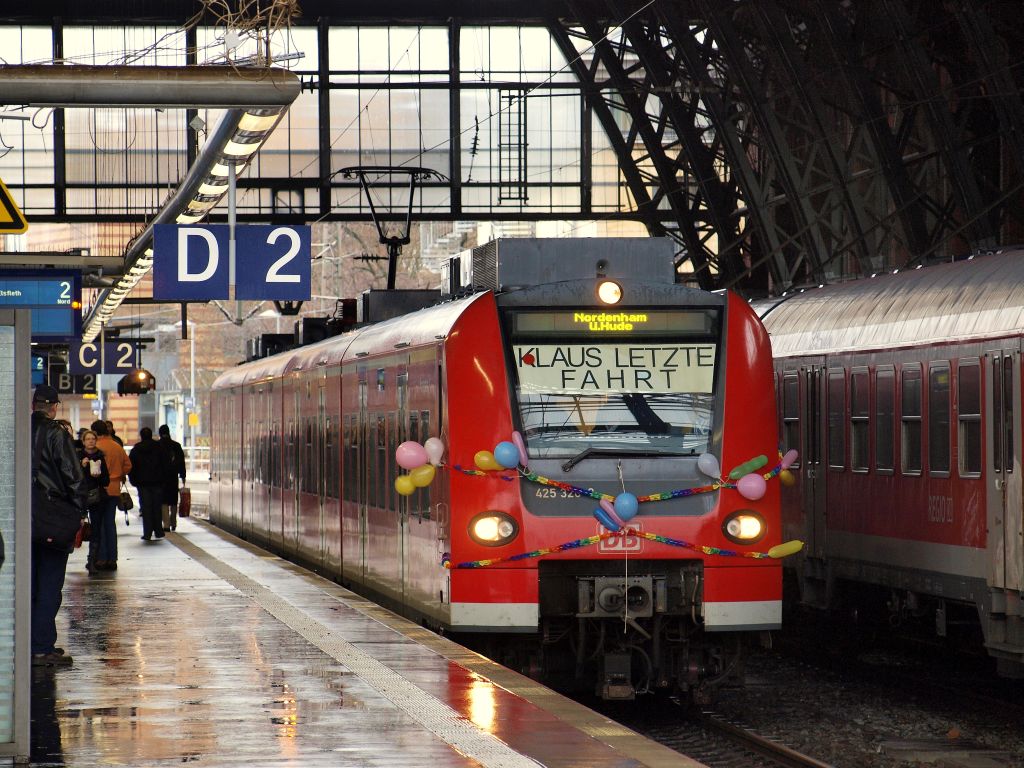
578,450
903,394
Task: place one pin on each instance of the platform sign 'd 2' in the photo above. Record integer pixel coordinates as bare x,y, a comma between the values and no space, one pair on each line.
190,263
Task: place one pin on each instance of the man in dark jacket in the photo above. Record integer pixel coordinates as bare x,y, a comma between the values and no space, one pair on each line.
58,485
148,474
175,466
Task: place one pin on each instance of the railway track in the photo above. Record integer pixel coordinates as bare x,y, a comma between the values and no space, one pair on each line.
707,736
771,753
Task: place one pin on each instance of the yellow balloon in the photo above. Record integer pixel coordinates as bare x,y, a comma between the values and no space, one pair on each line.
422,476
786,549
404,486
786,478
485,460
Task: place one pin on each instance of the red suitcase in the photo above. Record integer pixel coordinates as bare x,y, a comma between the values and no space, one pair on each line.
184,502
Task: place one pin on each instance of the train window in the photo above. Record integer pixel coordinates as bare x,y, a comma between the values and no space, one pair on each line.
289,454
968,400
859,420
938,418
1008,457
910,421
791,413
307,458
648,391
885,411
388,495
382,462
837,419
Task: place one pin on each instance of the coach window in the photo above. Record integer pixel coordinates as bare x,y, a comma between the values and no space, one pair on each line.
837,419
859,421
885,412
968,401
938,418
791,413
1002,395
910,420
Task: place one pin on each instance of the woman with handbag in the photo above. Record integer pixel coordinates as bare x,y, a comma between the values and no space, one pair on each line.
119,465
97,478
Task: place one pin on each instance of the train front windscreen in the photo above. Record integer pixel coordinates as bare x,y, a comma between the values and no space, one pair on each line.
630,381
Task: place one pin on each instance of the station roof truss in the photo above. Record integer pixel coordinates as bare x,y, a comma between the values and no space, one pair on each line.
780,143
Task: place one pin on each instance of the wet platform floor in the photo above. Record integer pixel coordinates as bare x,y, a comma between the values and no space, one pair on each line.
200,649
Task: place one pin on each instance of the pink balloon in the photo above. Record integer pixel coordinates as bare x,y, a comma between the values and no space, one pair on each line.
609,509
410,455
517,440
751,486
789,458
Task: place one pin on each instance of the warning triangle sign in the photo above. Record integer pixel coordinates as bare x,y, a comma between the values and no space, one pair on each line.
12,222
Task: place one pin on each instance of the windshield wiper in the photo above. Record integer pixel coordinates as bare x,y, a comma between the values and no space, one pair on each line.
629,454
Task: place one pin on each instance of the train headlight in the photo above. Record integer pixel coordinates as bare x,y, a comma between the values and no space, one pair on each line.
609,292
493,529
744,527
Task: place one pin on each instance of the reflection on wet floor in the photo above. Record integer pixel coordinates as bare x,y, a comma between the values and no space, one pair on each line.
45,746
199,650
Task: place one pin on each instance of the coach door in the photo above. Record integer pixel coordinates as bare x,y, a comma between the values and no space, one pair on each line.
363,458
1003,444
402,502
813,472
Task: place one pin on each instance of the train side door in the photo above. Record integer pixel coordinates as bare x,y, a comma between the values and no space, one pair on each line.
364,455
813,472
322,468
1003,451
402,503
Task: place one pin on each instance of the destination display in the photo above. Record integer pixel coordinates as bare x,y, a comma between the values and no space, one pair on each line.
629,368
614,322
54,299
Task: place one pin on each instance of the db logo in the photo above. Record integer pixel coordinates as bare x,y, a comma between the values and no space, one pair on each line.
620,542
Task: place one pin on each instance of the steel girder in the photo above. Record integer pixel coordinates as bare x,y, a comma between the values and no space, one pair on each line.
825,171
965,207
648,141
994,83
802,135
635,181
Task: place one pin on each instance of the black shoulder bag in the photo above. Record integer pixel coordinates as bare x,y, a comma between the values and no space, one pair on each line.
55,519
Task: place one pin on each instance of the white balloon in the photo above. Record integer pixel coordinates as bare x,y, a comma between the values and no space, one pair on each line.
708,464
435,450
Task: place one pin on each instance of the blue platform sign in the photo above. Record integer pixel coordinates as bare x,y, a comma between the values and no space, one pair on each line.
190,263
55,300
272,263
118,357
38,370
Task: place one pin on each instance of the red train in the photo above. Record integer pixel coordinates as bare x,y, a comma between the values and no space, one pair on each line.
615,382
903,394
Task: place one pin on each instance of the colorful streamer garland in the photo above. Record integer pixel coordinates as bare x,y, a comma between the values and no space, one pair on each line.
577,490
776,552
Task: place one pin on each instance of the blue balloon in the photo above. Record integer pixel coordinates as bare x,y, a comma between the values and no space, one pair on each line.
602,517
626,505
506,454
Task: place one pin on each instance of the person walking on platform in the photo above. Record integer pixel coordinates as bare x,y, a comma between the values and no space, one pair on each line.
58,504
175,467
148,474
113,435
118,465
97,478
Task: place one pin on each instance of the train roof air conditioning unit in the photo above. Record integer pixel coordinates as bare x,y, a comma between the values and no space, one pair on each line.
510,263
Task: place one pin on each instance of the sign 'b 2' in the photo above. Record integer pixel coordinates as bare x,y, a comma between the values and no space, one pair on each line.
190,263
